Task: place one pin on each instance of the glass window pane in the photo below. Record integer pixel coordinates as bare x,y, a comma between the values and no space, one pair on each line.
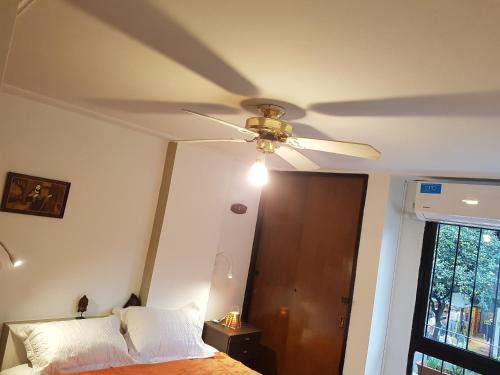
442,279
458,317
427,365
462,305
469,372
482,338
431,363
448,368
417,363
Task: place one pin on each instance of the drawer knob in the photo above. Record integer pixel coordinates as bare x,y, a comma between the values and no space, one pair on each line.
245,351
247,338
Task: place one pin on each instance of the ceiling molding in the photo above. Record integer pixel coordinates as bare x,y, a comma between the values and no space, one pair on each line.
23,5
16,91
7,25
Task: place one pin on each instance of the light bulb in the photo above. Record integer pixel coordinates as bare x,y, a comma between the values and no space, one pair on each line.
18,263
258,175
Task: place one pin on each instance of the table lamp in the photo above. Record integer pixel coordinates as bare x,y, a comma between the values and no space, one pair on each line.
233,318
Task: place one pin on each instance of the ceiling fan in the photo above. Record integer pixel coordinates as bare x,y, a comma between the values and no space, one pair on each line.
157,30
270,132
273,135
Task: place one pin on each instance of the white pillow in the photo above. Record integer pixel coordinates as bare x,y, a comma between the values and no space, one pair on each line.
76,345
20,330
191,308
18,370
156,335
194,311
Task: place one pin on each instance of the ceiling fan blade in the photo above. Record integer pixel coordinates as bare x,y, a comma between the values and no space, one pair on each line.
296,159
236,127
359,150
210,140
154,28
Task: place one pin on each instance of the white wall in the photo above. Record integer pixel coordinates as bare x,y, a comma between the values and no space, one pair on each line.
196,226
236,240
386,282
385,277
372,288
99,247
403,296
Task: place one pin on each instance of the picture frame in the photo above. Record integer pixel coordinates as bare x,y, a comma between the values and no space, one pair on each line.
32,195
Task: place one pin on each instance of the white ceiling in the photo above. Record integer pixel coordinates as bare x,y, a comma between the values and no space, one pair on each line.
419,80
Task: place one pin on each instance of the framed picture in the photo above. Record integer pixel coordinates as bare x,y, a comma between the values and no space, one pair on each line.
32,195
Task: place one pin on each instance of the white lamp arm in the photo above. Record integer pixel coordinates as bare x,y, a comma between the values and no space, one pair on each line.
13,260
229,264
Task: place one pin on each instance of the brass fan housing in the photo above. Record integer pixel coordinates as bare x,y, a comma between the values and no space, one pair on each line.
270,127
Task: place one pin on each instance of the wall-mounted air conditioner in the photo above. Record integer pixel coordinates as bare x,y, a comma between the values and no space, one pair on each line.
469,204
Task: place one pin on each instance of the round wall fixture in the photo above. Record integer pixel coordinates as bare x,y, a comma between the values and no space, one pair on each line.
239,208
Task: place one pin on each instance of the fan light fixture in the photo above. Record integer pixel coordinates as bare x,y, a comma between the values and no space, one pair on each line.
258,174
16,262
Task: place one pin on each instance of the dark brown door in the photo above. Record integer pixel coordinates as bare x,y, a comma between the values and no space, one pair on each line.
301,279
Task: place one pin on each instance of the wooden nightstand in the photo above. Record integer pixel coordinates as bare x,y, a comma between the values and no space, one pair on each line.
241,344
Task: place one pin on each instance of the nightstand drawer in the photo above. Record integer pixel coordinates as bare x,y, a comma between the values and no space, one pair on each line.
249,338
243,351
242,344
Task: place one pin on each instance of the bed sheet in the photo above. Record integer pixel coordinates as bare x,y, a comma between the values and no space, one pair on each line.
218,365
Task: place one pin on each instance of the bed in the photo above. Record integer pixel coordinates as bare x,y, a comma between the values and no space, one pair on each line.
14,361
219,364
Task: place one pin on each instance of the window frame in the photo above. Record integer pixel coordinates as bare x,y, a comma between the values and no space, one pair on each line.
418,342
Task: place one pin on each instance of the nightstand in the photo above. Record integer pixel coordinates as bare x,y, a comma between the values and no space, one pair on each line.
241,344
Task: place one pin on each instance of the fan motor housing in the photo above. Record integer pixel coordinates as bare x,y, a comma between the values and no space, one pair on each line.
269,128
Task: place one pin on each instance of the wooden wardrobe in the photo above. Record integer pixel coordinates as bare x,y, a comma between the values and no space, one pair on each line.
302,271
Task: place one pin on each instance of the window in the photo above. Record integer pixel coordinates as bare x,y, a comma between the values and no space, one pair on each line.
456,326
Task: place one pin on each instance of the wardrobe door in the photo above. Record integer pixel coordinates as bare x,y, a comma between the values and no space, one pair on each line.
280,221
305,250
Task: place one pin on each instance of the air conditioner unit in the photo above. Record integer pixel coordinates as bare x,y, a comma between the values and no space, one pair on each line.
457,203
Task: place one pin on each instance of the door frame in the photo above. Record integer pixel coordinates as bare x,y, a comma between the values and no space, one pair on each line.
258,228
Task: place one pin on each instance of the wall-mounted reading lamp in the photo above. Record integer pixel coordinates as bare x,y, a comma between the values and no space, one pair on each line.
229,264
16,262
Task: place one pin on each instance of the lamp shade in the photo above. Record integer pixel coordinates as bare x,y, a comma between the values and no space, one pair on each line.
232,320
